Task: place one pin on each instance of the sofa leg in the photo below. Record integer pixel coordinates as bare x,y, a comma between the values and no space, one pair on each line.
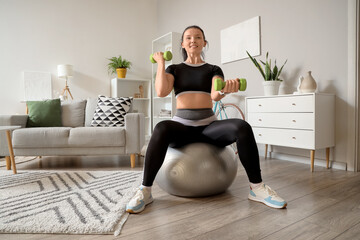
8,163
132,160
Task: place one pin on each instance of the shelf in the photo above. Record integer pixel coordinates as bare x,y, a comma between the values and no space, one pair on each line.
141,99
160,98
133,79
162,117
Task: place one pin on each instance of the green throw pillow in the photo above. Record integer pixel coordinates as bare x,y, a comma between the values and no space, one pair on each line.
44,113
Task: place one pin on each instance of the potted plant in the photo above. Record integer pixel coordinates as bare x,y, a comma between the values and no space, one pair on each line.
270,75
118,65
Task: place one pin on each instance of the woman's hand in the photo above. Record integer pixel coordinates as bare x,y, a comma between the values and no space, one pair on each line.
232,85
159,57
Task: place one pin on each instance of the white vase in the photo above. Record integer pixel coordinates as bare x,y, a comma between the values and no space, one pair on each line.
271,87
307,84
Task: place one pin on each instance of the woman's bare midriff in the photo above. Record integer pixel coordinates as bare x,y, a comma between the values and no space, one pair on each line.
193,101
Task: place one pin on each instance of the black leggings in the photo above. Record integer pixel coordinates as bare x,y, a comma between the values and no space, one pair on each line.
220,133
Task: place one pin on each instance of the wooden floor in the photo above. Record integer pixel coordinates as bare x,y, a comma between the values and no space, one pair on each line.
324,204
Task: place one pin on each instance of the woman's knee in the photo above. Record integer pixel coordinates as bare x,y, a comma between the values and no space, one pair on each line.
243,127
166,128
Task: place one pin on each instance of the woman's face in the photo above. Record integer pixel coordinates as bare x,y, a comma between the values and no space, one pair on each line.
193,41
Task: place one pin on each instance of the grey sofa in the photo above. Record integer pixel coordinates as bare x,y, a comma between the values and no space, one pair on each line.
76,137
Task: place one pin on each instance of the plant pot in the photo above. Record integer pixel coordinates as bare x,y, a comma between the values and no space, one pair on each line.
121,72
271,87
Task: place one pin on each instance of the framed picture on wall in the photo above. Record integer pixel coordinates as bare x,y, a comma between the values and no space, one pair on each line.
37,86
239,38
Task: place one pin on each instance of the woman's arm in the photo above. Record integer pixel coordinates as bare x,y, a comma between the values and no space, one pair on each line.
231,86
164,82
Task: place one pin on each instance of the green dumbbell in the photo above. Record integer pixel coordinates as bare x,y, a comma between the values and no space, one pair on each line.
167,56
219,84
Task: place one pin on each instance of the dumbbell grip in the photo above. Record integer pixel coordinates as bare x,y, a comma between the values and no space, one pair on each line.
219,84
167,56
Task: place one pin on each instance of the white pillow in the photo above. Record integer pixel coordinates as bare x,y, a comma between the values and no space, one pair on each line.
111,111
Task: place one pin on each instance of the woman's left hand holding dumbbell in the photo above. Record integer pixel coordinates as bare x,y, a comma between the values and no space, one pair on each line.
232,85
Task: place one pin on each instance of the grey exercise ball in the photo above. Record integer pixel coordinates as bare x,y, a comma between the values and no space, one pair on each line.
197,170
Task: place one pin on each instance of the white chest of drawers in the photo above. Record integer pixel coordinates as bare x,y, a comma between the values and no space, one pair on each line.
300,121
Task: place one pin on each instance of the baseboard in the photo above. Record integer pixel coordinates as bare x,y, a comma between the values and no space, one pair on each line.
305,160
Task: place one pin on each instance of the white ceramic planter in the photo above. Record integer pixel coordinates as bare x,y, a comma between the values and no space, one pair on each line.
271,87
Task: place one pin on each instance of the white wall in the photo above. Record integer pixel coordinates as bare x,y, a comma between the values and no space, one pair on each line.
37,35
312,35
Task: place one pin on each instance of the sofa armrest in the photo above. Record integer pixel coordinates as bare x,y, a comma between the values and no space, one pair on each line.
10,120
135,132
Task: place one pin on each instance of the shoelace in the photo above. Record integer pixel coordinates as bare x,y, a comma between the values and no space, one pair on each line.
139,195
270,191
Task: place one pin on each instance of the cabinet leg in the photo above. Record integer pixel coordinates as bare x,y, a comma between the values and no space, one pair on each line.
327,157
266,150
312,156
8,163
132,160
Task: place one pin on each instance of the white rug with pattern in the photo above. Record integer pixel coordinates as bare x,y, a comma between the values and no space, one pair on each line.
79,202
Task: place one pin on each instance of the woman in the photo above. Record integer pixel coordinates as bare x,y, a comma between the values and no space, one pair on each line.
195,121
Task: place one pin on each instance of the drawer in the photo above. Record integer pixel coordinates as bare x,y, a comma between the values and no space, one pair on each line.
282,120
281,104
285,137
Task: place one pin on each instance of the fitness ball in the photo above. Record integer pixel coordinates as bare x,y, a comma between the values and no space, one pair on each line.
197,170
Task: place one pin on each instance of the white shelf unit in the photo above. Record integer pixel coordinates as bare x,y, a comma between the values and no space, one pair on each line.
168,42
128,87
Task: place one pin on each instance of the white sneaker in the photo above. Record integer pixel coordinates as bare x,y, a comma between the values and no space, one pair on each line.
138,202
266,195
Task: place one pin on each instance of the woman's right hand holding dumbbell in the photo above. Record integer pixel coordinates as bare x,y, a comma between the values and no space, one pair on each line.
158,57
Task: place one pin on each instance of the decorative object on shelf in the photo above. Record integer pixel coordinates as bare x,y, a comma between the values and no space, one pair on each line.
269,74
118,65
65,71
307,84
137,95
141,90
165,113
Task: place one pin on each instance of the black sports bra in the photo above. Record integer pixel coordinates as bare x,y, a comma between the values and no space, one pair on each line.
193,78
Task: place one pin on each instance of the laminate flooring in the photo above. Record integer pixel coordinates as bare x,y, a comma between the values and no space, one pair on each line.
324,204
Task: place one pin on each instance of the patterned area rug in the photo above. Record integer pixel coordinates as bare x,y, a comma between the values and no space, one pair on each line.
81,202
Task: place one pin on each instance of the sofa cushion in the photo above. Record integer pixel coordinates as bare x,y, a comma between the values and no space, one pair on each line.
90,110
45,113
73,113
111,111
62,137
41,137
97,137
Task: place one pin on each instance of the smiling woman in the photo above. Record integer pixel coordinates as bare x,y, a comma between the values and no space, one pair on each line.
195,122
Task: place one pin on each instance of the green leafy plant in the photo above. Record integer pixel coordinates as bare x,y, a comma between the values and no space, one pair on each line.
117,62
269,74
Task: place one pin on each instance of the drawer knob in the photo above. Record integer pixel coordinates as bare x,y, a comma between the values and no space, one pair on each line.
294,138
294,104
294,120
260,105
260,119
260,134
